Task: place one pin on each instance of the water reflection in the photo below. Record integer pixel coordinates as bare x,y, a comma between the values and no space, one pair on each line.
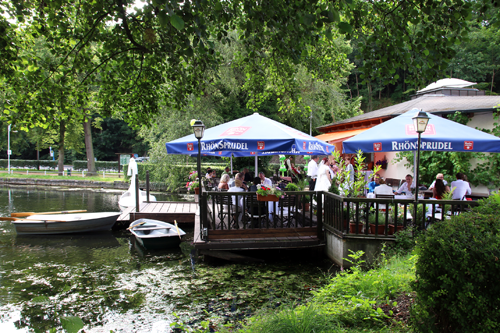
113,284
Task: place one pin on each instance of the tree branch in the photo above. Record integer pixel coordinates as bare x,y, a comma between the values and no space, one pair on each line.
123,16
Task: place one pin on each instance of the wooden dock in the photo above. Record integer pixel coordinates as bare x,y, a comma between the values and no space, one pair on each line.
166,211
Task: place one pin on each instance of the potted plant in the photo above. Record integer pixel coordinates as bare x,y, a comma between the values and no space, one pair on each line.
374,228
193,185
306,199
265,193
382,163
397,224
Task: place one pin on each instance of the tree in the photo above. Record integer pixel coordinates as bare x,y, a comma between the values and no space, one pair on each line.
134,51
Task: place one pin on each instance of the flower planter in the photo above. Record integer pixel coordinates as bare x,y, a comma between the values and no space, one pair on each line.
352,228
197,190
269,197
393,229
305,206
381,229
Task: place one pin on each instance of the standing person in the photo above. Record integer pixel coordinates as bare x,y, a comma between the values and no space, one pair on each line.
247,177
312,172
460,187
265,181
324,180
350,169
406,186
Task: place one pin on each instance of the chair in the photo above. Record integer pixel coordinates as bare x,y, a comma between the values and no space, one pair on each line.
383,196
285,207
256,211
224,207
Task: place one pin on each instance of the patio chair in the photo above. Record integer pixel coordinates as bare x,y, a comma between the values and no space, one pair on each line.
225,211
285,207
256,211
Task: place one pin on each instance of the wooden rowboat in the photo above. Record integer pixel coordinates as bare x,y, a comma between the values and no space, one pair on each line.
154,235
52,224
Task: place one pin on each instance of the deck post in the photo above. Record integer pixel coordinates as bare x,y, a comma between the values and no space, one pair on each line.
319,213
137,208
147,186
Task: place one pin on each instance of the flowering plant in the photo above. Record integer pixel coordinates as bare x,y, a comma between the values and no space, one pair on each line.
193,181
265,190
382,163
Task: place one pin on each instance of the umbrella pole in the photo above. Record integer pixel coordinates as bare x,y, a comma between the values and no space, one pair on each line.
231,165
256,165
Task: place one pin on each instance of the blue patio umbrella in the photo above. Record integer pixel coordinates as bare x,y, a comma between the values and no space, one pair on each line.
441,134
251,136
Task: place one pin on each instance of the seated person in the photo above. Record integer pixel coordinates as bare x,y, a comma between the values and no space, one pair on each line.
460,187
439,189
209,173
237,188
240,177
223,182
406,186
263,180
438,176
374,183
256,181
383,188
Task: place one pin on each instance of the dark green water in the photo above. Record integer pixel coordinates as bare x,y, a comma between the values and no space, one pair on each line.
111,283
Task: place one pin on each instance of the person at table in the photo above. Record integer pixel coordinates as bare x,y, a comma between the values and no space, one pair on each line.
406,186
375,183
209,173
438,176
226,171
439,189
460,187
264,180
240,177
324,179
256,181
238,187
382,188
223,184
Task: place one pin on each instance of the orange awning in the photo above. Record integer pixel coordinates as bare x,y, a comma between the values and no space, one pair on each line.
336,138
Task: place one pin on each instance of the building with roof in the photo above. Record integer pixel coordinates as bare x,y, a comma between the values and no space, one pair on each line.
442,97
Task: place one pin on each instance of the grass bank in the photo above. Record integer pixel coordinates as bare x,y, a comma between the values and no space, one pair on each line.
376,300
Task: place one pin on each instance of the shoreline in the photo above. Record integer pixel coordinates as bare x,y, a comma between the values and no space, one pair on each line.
84,184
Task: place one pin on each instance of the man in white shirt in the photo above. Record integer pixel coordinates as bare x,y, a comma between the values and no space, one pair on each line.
438,176
312,172
265,181
460,187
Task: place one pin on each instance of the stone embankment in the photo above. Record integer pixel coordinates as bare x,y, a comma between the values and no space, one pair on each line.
74,183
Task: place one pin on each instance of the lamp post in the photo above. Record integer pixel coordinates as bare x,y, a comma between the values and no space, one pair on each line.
420,121
198,130
9,152
8,148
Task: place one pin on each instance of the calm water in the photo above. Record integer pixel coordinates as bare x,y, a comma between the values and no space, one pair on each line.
111,283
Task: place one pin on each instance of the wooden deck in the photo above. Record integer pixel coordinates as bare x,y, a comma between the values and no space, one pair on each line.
166,211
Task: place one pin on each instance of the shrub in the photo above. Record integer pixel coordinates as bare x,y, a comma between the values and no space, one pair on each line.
291,187
457,272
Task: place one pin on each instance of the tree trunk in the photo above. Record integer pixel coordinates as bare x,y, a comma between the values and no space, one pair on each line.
492,80
62,132
89,148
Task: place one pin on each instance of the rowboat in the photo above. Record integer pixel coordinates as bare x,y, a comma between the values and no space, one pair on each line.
154,235
52,224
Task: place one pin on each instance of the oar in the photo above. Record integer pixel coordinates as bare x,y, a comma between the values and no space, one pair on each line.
136,225
175,221
21,214
18,219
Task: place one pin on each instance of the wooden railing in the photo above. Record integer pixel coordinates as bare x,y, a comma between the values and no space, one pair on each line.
383,217
242,210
